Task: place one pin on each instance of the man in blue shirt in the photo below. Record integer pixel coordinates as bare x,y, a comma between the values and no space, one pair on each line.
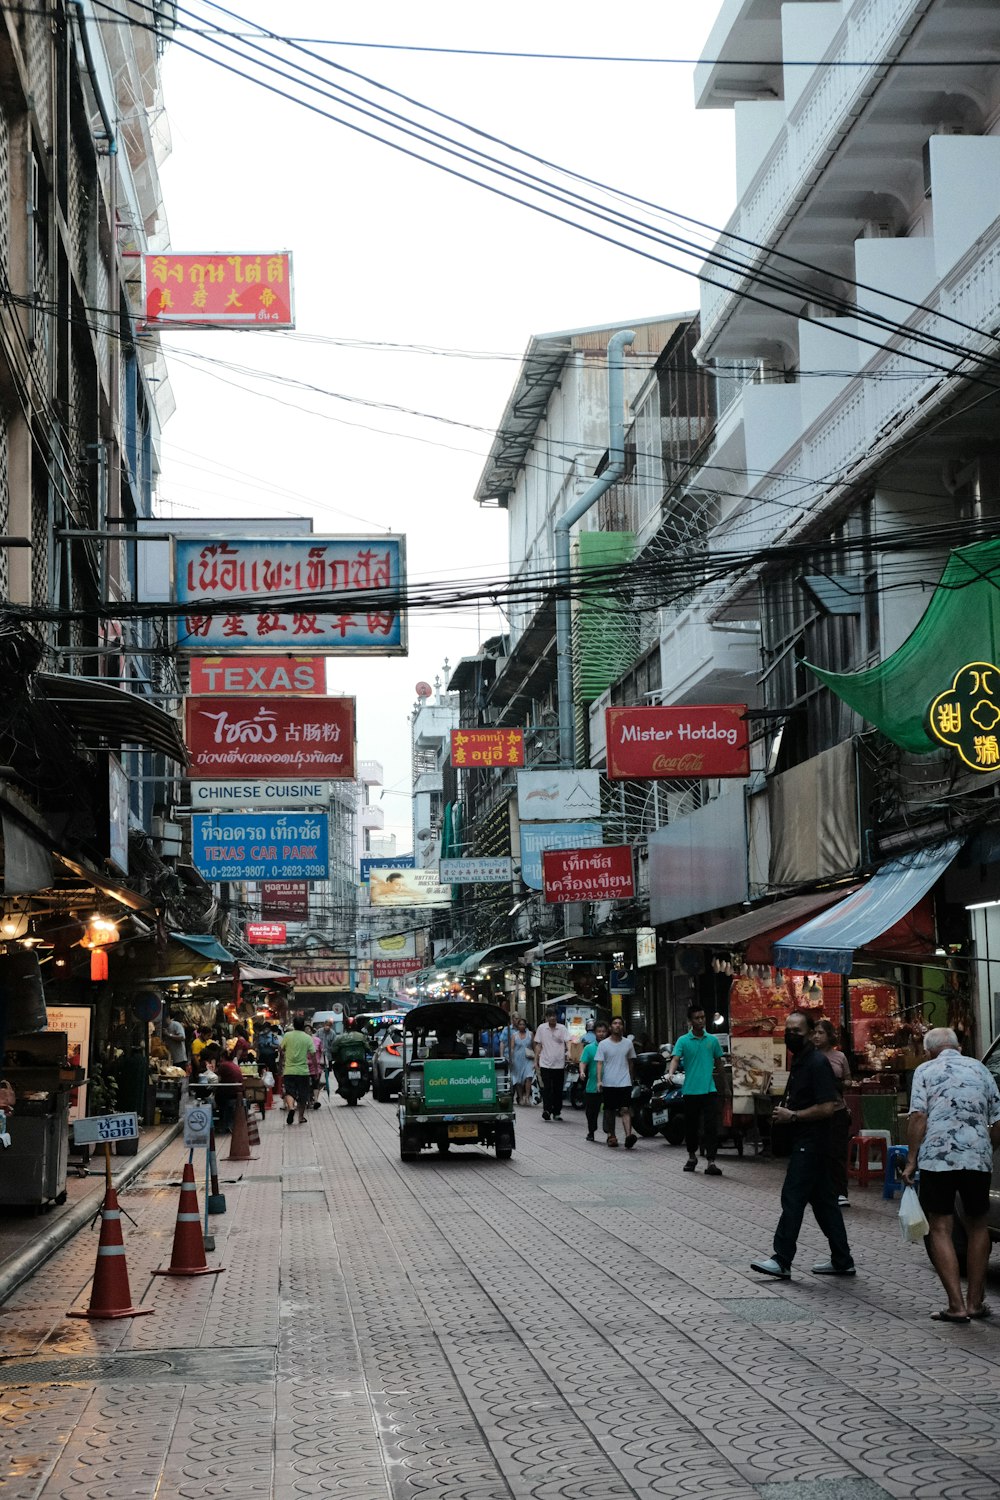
698,1055
588,1072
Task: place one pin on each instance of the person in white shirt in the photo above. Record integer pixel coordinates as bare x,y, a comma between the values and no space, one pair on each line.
551,1043
615,1066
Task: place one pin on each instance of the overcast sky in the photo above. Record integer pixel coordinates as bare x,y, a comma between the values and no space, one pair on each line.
391,251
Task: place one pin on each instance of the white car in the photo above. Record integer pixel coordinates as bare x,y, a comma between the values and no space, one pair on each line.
387,1064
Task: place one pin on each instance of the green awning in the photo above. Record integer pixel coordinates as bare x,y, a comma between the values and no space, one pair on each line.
205,945
959,628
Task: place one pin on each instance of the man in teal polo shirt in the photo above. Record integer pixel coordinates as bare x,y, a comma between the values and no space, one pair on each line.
698,1055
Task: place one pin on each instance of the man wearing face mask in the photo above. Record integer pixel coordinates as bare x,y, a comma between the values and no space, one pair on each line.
809,1104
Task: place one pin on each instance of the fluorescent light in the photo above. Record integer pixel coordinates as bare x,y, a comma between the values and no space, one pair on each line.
982,905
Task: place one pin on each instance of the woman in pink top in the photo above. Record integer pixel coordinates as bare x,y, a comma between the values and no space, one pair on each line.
825,1040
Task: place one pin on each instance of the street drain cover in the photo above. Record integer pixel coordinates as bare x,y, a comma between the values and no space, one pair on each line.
764,1309
184,1366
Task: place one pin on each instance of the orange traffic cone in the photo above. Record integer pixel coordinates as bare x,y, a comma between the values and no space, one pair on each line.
188,1256
111,1296
239,1141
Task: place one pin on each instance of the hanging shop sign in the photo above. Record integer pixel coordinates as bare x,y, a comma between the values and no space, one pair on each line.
536,838
648,743
558,794
479,748
258,674
398,885
966,716
588,874
371,862
225,291
645,947
270,737
266,934
475,871
335,595
261,846
392,968
331,973
259,793
285,898
393,945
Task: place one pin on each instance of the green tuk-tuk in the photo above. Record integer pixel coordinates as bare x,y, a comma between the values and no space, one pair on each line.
456,1091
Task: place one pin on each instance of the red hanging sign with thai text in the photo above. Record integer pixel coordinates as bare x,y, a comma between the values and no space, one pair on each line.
287,737
231,291
603,874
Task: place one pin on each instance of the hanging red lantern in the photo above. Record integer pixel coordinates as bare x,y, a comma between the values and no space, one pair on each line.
98,965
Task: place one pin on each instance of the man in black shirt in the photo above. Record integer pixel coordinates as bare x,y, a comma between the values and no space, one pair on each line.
810,1101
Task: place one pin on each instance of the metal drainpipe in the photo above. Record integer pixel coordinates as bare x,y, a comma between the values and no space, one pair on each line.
614,471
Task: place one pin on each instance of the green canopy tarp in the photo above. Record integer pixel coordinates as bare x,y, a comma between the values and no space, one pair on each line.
961,625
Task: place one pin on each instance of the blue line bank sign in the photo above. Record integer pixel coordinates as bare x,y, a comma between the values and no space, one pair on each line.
261,846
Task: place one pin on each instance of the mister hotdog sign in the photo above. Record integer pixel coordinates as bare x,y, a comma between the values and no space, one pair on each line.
650,743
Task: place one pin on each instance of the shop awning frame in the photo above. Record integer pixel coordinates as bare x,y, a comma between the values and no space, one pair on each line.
827,943
110,713
483,959
735,932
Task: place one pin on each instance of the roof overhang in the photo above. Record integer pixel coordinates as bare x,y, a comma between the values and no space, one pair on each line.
101,712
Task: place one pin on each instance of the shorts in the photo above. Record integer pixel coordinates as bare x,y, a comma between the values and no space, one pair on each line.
617,1099
938,1191
299,1086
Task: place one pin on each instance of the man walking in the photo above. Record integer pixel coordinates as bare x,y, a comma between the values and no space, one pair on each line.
615,1066
953,1127
810,1101
296,1045
588,1075
551,1042
699,1056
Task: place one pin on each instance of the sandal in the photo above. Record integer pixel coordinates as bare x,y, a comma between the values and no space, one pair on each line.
949,1317
612,1140
980,1312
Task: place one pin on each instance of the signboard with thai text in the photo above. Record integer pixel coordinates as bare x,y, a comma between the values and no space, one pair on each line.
270,737
392,968
335,595
487,747
285,898
648,743
965,717
589,874
266,934
225,291
331,973
397,885
261,846
475,871
548,795
537,837
101,1130
258,674
271,792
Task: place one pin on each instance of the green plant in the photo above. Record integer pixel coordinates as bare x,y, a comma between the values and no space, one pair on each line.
102,1091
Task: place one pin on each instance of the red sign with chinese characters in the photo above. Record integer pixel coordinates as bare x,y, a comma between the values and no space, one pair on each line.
232,291
263,933
285,898
588,874
391,968
647,743
290,737
487,747
258,674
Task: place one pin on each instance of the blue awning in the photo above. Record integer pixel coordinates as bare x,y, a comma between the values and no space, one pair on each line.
205,945
826,944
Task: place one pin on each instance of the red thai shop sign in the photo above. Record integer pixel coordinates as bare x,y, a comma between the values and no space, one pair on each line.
270,737
258,674
603,874
264,933
487,747
285,898
225,291
646,743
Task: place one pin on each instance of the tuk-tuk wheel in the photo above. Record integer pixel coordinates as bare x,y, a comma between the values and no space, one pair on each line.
504,1144
444,1146
409,1146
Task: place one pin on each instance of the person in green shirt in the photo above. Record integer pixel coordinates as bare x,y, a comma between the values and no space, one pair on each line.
296,1046
699,1055
349,1046
588,1071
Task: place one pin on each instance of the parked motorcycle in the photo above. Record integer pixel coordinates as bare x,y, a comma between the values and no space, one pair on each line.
656,1106
353,1080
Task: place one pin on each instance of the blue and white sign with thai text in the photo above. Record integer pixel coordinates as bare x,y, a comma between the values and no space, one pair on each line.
261,846
537,837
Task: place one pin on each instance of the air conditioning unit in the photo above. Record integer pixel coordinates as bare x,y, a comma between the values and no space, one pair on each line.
169,836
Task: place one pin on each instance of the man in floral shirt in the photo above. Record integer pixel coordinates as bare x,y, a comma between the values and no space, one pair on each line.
954,1125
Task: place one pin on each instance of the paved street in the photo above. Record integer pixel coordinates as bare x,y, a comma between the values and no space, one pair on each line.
576,1323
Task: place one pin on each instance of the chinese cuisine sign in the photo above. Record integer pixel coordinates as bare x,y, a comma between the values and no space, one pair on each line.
291,737
965,718
261,846
588,874
648,743
487,747
305,593
232,291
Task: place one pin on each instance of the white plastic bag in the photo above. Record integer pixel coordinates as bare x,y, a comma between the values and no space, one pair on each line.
267,1078
912,1223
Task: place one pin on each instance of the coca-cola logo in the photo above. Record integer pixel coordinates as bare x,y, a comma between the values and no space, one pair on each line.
678,765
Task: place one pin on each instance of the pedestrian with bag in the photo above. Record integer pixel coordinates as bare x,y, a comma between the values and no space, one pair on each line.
952,1131
699,1057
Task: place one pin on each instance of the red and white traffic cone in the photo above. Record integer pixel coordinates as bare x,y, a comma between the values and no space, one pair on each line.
111,1296
239,1141
188,1255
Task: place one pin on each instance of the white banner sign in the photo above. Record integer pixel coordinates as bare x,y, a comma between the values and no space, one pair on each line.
263,792
475,871
102,1129
547,796
645,947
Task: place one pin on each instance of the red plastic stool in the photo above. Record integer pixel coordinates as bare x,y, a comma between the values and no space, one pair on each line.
859,1162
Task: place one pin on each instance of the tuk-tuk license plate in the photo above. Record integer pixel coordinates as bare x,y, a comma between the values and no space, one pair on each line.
463,1132
659,1117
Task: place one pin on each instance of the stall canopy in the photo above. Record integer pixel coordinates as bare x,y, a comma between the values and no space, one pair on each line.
251,975
755,931
498,953
827,943
205,945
